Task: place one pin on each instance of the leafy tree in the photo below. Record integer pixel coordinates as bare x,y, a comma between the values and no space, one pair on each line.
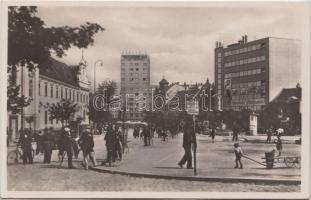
106,90
15,102
62,111
31,43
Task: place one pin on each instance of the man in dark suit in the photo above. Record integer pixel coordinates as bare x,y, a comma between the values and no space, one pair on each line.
25,141
68,143
189,140
47,145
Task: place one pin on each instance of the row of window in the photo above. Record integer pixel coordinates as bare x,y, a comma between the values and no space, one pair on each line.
248,84
254,108
134,69
134,79
245,73
63,93
52,121
134,64
245,61
250,90
245,49
239,98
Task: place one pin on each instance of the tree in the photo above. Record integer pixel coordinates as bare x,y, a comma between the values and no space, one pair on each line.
15,102
31,43
106,90
62,111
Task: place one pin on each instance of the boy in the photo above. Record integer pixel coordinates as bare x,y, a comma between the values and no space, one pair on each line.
238,155
279,145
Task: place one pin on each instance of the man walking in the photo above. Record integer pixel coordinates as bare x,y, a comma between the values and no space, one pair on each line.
25,141
110,143
235,132
189,141
269,135
86,143
68,143
47,145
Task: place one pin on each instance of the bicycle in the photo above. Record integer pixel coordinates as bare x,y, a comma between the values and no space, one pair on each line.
16,156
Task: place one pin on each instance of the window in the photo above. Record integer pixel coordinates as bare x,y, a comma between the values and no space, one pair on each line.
46,89
136,64
145,79
77,96
137,69
73,95
30,87
61,93
131,69
69,94
52,90
66,93
39,88
56,91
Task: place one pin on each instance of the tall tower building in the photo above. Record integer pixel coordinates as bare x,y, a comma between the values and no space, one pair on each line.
135,84
249,74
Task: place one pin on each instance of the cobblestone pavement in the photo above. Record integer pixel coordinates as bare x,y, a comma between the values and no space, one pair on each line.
42,177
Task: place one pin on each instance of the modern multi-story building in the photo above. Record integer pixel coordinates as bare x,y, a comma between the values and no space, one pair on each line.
47,86
248,75
135,84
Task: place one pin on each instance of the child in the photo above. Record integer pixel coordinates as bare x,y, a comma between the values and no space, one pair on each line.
238,155
279,145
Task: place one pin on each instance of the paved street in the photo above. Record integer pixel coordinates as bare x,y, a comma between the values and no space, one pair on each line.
214,160
42,177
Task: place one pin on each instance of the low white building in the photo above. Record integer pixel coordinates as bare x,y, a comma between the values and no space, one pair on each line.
47,86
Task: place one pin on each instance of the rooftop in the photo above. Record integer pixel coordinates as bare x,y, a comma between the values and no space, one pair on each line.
60,72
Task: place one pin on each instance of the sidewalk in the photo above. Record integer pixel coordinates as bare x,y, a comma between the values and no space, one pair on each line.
214,161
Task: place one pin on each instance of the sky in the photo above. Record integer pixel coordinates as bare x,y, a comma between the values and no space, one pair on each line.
179,40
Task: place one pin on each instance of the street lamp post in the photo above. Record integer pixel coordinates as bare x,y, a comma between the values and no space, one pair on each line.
95,64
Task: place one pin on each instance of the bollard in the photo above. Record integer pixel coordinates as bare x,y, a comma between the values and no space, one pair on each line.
269,159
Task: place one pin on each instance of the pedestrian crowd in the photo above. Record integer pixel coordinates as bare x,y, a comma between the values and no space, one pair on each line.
116,142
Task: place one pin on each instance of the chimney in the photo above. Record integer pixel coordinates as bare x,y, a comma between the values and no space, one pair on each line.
245,38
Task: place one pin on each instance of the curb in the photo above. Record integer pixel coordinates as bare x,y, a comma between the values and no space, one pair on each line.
194,178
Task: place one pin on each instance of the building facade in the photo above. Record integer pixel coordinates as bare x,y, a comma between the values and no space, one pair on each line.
47,86
248,75
135,85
